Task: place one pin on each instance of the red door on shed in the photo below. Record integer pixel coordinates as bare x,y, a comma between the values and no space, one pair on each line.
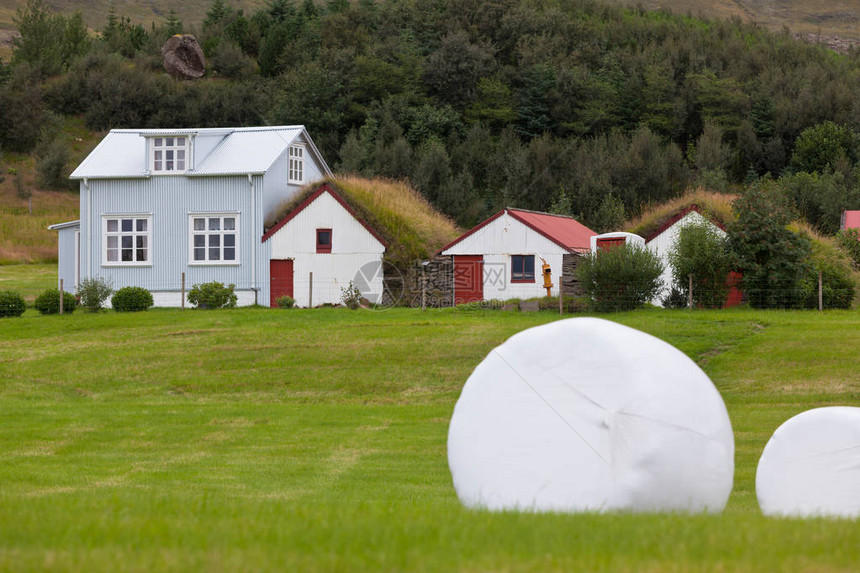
610,243
468,278
280,279
736,295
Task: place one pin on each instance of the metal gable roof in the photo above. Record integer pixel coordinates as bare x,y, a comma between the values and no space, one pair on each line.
566,232
120,154
246,152
243,150
66,225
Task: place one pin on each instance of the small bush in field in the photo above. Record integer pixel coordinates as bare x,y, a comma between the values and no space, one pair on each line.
94,292
49,302
285,301
350,296
622,278
212,295
11,304
131,299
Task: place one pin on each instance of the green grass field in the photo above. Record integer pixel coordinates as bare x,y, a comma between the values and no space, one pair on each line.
28,280
274,440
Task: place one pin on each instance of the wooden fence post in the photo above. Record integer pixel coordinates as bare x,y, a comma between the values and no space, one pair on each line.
183,292
690,292
62,292
311,290
820,291
423,286
560,294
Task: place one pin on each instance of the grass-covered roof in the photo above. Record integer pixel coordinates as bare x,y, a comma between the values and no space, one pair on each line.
411,228
715,206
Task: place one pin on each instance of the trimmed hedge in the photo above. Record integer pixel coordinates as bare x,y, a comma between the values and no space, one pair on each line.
49,302
11,304
131,299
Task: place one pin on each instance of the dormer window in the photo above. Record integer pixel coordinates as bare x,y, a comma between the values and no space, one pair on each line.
169,154
297,164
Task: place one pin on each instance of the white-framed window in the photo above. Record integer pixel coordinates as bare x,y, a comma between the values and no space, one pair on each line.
127,240
169,154
297,164
214,238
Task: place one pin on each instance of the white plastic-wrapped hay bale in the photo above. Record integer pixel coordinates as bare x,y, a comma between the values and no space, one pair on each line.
588,415
811,465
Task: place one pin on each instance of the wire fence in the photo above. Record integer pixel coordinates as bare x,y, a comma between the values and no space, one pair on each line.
395,290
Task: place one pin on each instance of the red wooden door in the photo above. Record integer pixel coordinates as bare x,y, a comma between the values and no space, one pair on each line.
610,243
735,296
468,278
280,279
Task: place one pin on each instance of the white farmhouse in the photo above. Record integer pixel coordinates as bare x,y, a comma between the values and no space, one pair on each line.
160,204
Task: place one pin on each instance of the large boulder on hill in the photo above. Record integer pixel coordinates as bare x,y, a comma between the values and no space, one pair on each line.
183,57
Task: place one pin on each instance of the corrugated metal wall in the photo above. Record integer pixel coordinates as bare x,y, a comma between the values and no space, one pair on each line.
355,255
170,200
67,258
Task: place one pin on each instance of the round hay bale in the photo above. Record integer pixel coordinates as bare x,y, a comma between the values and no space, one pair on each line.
811,465
588,415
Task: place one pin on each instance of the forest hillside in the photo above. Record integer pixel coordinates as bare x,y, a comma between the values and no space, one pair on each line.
581,107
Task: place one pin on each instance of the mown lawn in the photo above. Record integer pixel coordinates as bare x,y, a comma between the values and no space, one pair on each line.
271,440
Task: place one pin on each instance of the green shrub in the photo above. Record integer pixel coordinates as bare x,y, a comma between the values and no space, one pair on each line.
350,296
51,166
285,301
622,278
212,295
94,292
11,304
131,299
49,302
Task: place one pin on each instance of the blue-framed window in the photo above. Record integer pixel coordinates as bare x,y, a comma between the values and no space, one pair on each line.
522,268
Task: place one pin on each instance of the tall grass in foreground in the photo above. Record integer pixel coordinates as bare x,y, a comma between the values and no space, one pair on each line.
315,440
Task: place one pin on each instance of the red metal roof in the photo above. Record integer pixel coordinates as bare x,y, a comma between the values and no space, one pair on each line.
851,220
566,232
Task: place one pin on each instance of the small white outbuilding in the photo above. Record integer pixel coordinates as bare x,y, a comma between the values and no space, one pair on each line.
502,257
321,246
